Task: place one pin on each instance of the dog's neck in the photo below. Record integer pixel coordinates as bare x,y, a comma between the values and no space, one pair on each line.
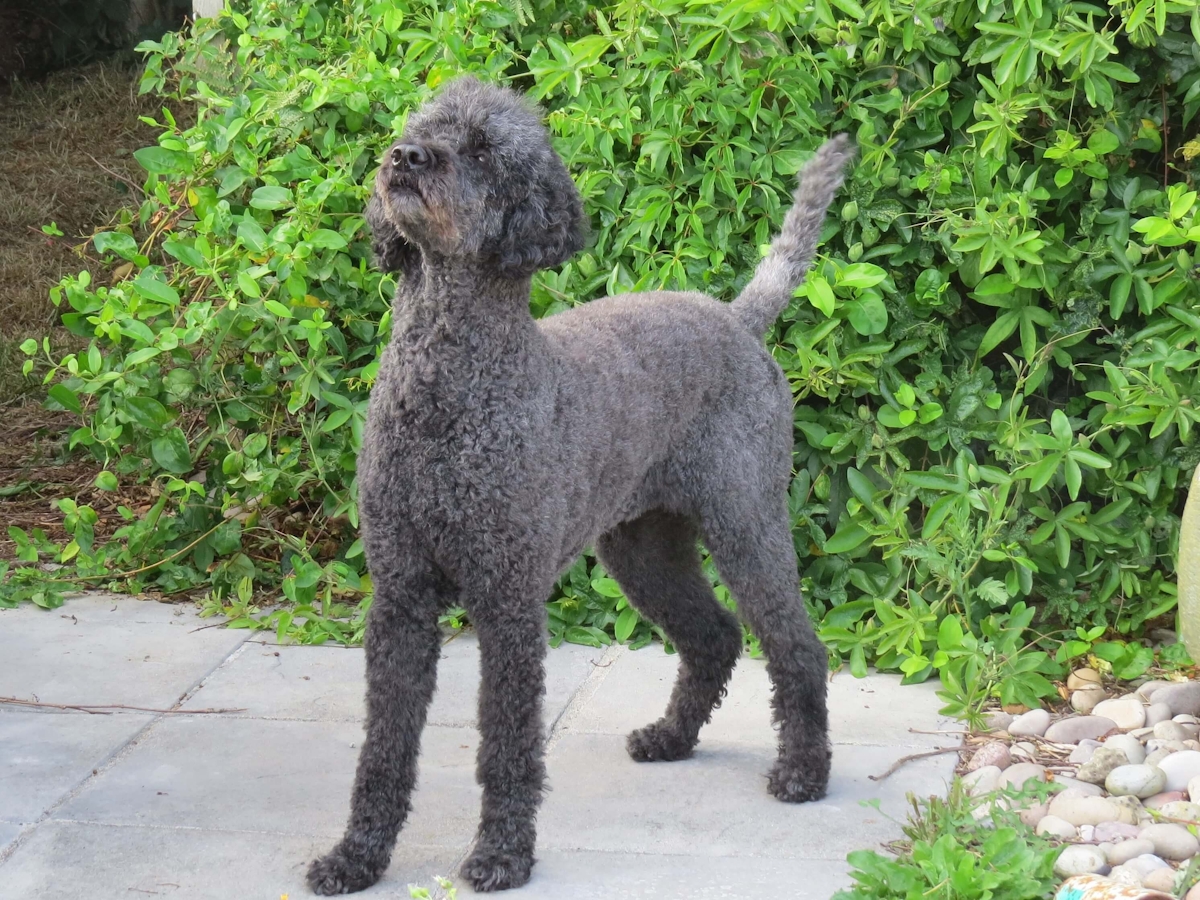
462,307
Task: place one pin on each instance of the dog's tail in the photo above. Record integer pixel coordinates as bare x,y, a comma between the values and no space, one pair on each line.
791,253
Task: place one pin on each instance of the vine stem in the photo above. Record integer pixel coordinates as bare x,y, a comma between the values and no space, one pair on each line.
153,565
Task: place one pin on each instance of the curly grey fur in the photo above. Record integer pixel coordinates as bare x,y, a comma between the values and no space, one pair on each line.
791,254
498,448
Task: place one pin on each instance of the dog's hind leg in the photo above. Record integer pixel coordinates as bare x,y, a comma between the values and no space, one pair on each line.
750,539
402,649
511,623
655,561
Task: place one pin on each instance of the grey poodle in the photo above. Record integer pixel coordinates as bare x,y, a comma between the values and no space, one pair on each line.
499,447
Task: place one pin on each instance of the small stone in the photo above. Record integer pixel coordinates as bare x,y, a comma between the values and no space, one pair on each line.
1170,731
993,753
1080,809
1023,750
997,721
1185,719
1125,875
1085,699
1181,810
1079,859
1091,790
1034,814
1191,745
1103,761
1076,728
1033,723
1150,688
1157,712
1015,709
1154,758
1081,679
1171,841
1142,733
1126,850
1127,712
1016,775
1180,768
1083,752
1156,801
1116,832
1130,810
1193,789
1146,863
1182,698
982,781
1193,892
1136,781
1131,745
1053,826
1087,833
1164,635
1160,880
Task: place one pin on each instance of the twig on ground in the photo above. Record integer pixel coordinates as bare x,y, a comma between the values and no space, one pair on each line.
910,758
103,709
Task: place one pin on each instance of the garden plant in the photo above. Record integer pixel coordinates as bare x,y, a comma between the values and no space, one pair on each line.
993,361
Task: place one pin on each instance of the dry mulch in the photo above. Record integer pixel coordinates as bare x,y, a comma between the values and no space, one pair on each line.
66,156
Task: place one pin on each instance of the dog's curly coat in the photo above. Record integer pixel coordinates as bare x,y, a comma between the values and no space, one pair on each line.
499,447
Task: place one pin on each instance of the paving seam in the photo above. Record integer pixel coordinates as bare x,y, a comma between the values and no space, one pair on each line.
115,756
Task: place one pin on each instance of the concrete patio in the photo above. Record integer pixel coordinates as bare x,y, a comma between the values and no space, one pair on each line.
179,801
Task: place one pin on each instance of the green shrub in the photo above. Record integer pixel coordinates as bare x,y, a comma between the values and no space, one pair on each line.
994,360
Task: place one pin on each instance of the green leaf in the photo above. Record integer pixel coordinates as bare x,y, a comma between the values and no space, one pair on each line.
270,197
171,452
848,537
327,239
250,233
65,397
820,294
147,412
115,242
161,161
155,289
626,622
106,481
868,316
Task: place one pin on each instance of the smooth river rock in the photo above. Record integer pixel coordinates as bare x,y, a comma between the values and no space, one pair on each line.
1079,859
1103,761
1180,768
1127,711
1135,781
1171,841
1076,728
1033,723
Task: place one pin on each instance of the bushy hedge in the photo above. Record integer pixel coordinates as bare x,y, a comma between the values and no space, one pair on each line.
994,360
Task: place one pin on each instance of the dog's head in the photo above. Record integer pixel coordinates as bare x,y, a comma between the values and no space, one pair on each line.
474,177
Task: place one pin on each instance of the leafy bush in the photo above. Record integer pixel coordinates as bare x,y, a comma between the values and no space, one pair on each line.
994,361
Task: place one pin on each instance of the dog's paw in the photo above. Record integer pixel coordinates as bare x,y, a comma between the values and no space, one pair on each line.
657,743
794,783
338,873
492,870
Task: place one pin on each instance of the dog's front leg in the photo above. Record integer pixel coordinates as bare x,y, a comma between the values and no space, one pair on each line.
402,649
511,769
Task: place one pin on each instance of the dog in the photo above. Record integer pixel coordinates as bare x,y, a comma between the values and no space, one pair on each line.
498,447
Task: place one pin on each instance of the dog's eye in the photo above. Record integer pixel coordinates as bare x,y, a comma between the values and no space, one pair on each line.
479,154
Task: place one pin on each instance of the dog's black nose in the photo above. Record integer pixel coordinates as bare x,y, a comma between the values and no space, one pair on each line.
410,156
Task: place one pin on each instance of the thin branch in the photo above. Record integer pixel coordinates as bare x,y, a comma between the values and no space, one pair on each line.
912,756
105,708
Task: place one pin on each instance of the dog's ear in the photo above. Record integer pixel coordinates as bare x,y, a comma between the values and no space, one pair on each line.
392,251
546,228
